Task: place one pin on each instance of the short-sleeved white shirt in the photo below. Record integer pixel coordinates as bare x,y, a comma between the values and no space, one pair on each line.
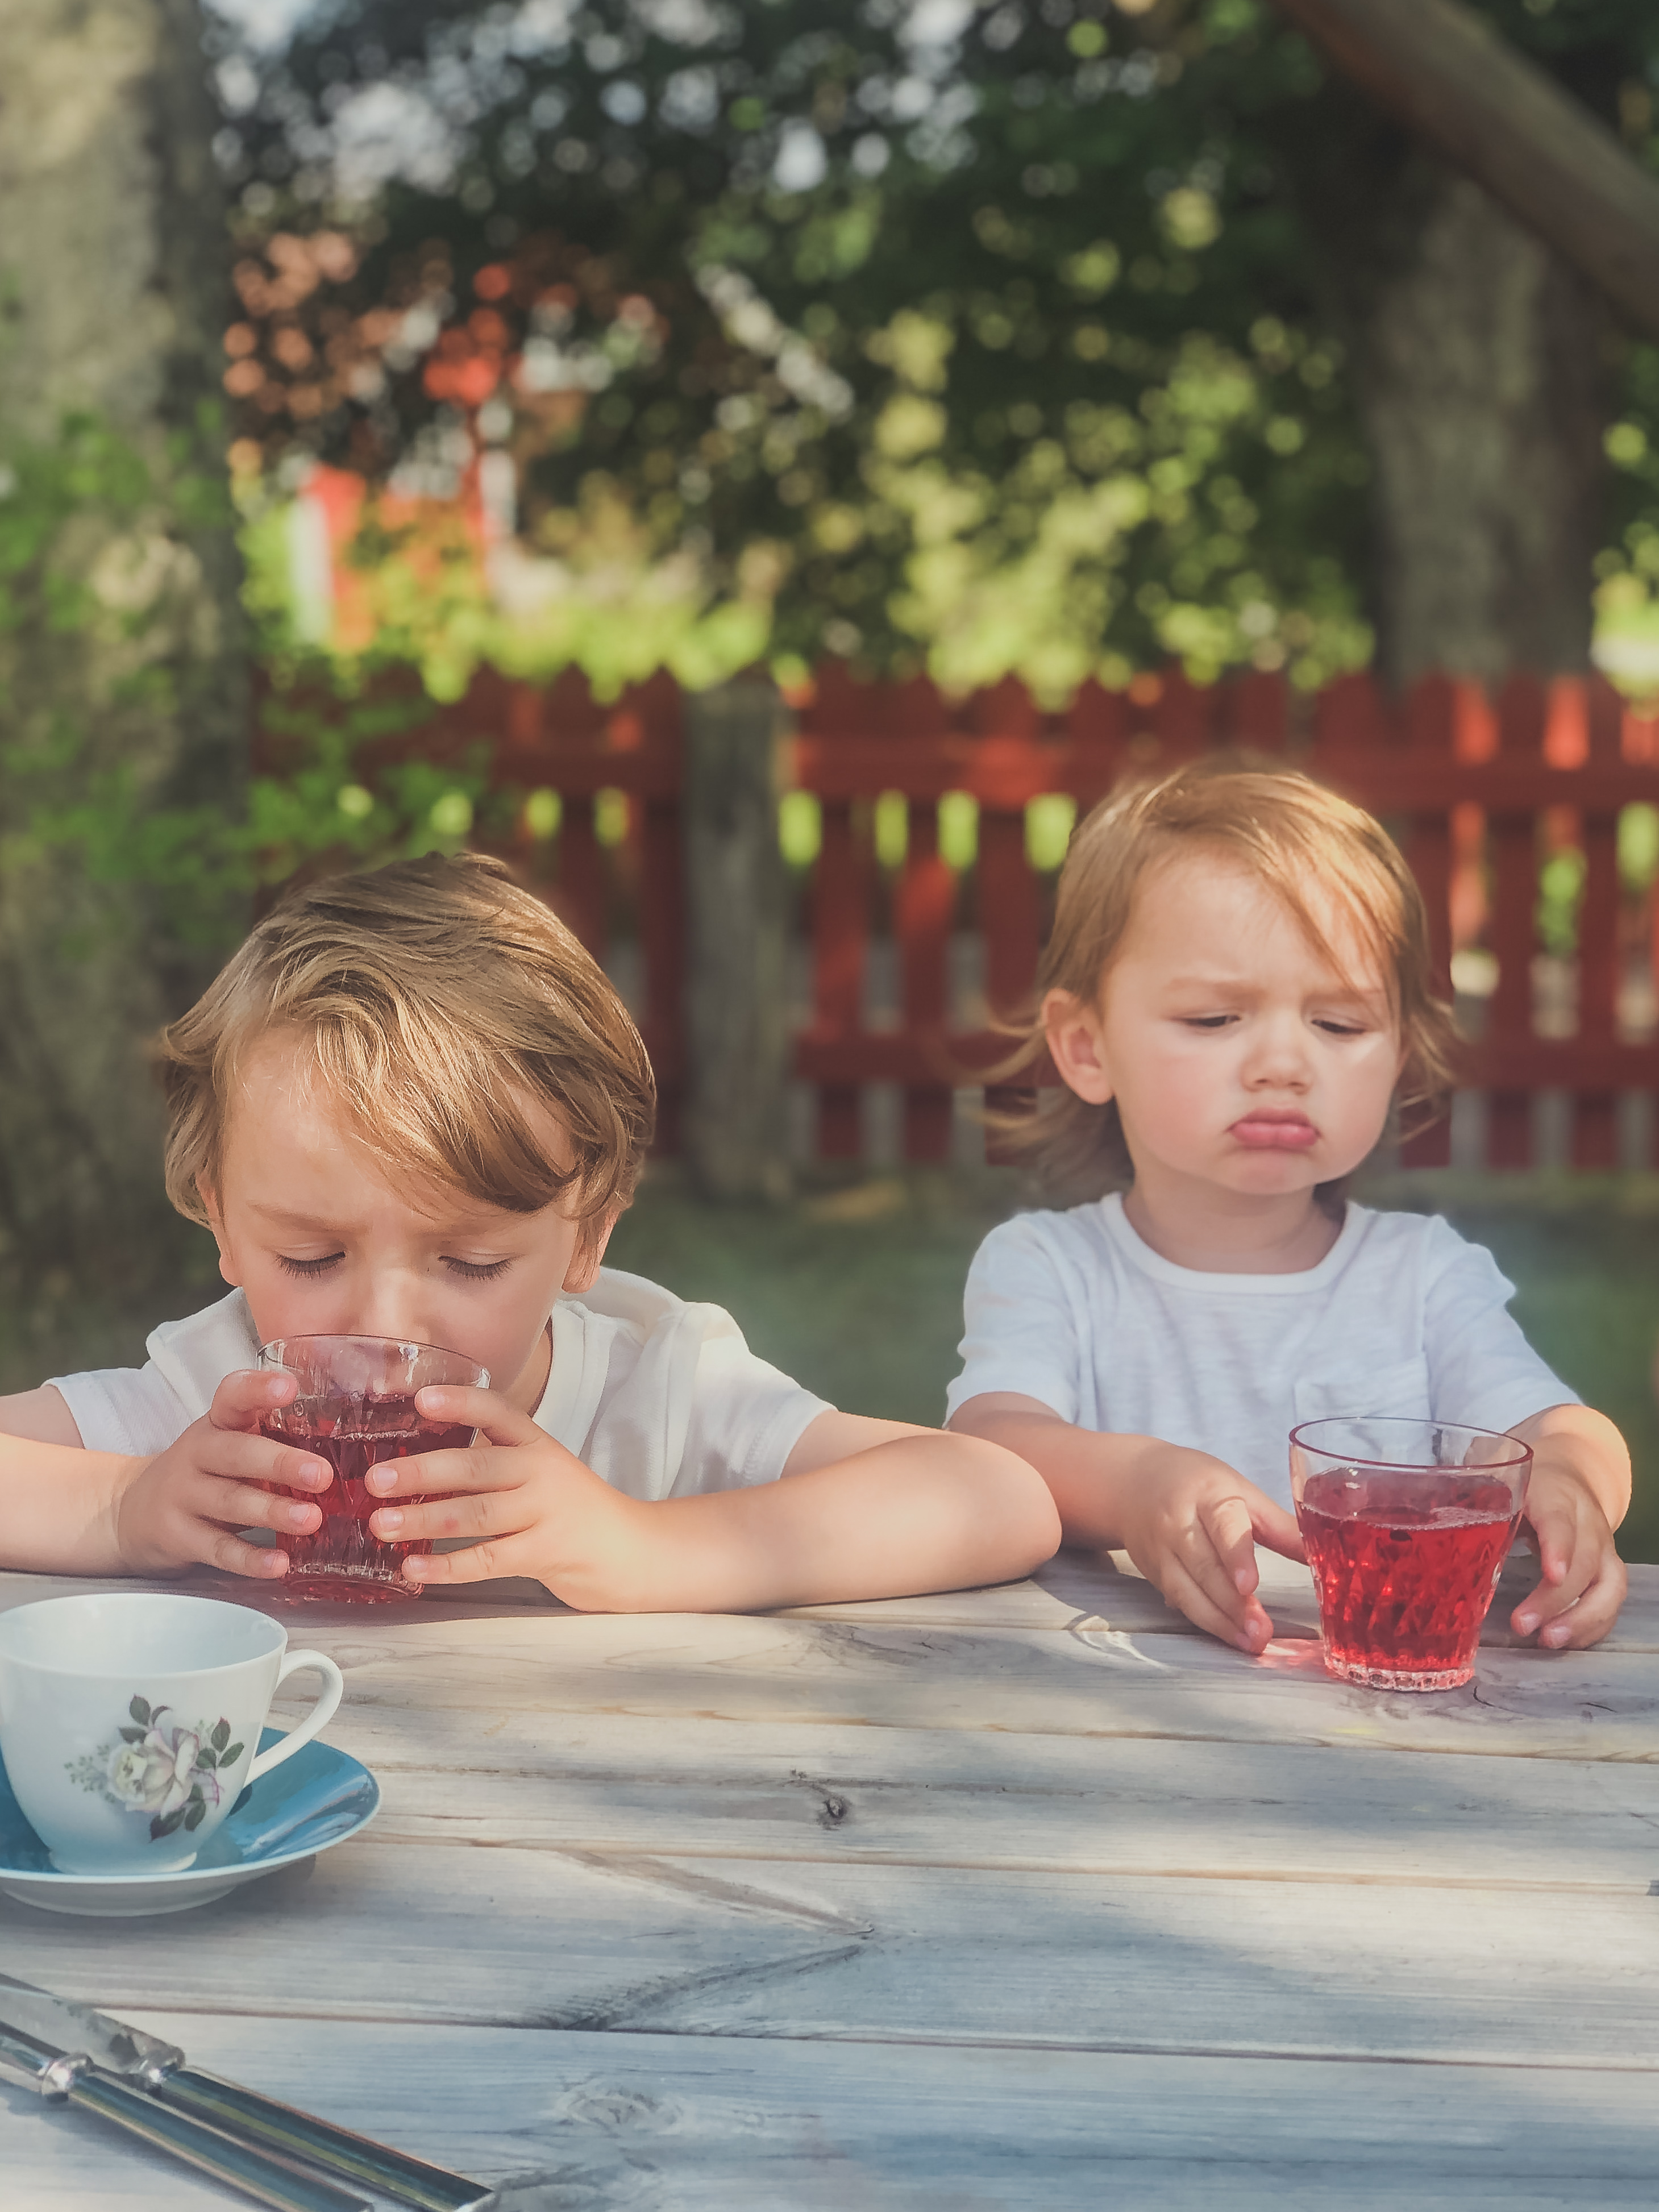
660,1399
1402,1316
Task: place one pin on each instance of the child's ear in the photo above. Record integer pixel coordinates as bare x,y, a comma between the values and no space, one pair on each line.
585,1261
210,1198
1076,1045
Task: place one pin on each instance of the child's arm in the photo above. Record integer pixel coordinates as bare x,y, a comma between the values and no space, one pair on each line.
57,1506
67,1510
1189,1522
866,1509
1578,1494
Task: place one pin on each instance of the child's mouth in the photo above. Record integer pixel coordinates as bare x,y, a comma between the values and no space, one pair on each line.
1275,1132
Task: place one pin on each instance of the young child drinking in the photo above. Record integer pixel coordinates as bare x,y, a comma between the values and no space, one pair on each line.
1236,995
411,1106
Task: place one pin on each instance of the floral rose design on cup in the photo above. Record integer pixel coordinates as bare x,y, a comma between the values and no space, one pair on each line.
160,1767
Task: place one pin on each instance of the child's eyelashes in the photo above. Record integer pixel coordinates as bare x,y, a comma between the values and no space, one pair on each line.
477,1271
470,1271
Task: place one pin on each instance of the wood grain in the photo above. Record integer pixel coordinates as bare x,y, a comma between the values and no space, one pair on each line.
675,2124
705,1946
679,2124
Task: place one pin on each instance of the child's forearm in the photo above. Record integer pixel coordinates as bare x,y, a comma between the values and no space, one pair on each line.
1575,1444
923,1512
57,1507
1091,1474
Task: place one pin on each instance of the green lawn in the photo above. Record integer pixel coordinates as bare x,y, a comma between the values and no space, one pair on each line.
856,1287
857,1290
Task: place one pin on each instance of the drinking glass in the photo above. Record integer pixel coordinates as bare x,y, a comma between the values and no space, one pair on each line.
355,1407
1406,1524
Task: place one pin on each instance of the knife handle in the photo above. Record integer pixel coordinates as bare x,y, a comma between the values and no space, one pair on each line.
300,2134
236,2164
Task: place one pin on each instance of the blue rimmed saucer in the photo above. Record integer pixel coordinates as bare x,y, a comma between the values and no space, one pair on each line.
311,1802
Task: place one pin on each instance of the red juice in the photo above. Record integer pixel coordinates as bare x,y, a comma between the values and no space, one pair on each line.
1404,1570
344,1559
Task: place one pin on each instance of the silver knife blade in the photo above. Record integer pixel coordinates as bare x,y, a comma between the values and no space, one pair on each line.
108,2043
243,2114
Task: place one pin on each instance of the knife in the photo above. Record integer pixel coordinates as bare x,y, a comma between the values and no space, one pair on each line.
55,2073
159,2068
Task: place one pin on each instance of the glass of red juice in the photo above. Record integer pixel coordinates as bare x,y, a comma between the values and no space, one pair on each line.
1406,1524
355,1407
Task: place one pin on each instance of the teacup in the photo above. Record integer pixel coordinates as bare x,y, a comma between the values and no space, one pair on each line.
129,1722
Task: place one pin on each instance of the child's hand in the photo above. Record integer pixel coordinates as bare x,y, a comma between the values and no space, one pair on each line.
1582,1578
528,1505
183,1507
1191,1524
1579,1489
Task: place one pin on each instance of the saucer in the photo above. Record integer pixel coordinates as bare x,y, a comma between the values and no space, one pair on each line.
309,1803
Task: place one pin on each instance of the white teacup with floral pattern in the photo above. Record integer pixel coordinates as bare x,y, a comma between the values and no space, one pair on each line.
129,1722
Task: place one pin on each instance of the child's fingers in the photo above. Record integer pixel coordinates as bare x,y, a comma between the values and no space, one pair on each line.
242,1506
479,1562
479,1514
486,1411
228,1456
1247,1629
481,1468
232,1556
1230,1528
1595,1613
243,1398
1579,1611
1277,1529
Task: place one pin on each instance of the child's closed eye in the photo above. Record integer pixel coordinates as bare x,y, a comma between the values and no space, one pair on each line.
477,1271
308,1268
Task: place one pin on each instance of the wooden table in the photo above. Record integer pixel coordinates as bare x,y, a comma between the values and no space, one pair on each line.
1024,1897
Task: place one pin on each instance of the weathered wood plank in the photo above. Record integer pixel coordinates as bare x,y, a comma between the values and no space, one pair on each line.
682,2125
511,1936
621,1784
1093,1681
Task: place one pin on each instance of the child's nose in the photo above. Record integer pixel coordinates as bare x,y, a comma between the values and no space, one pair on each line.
1279,1053
392,1311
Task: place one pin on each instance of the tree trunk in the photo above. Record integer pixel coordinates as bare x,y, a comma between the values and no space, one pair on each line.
122,673
1479,368
737,900
1480,378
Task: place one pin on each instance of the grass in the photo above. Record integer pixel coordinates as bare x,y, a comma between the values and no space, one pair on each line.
856,1287
856,1290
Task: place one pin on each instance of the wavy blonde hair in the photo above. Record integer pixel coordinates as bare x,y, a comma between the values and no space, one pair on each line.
442,1007
1287,832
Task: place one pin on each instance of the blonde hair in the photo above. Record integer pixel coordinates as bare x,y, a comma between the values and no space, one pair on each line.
442,1006
1287,832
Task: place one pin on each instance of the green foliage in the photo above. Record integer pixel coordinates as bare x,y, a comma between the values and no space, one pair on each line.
1013,341
74,803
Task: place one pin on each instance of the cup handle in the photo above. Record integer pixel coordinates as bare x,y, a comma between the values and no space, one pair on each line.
319,1717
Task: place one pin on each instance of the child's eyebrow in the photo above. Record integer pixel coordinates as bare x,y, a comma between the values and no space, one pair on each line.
285,1218
1334,984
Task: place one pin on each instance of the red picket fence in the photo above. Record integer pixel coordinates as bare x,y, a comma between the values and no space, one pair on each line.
1479,790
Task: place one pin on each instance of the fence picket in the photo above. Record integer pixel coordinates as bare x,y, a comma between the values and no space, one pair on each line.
1512,838
922,907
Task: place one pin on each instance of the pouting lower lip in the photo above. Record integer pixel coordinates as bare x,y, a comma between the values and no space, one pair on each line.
1266,1135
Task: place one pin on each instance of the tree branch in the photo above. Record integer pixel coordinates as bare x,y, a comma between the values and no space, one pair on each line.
1454,82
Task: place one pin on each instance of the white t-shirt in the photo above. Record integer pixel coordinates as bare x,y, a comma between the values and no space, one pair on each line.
1400,1316
660,1399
